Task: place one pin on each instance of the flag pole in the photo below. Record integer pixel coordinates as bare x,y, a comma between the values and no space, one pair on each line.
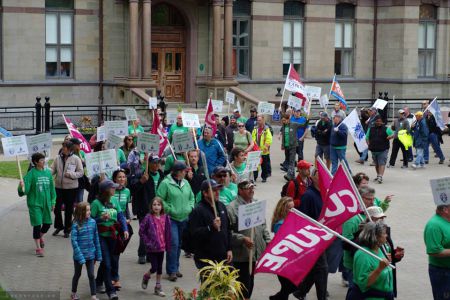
327,229
205,167
331,88
19,167
250,251
284,88
429,105
393,108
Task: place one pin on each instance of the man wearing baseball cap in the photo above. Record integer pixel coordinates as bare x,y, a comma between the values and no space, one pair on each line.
251,122
211,232
297,186
401,125
239,117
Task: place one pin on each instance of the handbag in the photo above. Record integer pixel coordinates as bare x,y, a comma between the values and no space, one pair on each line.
121,242
83,183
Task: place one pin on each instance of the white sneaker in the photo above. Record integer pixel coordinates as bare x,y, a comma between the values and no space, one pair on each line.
414,166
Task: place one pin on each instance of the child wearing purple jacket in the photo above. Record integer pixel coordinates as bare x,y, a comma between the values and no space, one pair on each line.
155,232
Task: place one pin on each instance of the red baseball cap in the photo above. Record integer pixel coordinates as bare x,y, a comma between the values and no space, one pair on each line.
303,164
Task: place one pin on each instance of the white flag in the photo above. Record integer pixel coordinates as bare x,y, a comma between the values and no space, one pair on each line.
323,101
436,111
356,130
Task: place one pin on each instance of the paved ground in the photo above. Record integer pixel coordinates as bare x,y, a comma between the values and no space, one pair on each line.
410,209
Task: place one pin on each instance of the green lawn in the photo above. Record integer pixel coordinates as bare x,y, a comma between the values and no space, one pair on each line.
4,295
9,168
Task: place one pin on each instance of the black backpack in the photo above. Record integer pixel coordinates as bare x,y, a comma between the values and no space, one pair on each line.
285,187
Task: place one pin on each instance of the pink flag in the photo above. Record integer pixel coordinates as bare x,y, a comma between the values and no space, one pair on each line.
325,178
342,201
210,118
158,129
294,249
76,134
295,85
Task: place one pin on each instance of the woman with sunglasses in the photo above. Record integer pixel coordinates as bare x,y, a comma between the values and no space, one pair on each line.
238,165
243,138
128,145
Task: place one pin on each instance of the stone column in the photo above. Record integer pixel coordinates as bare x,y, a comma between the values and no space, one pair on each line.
134,50
216,61
147,40
228,39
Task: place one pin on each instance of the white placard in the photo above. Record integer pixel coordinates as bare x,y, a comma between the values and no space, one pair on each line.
380,104
15,145
171,117
190,120
130,114
251,215
313,92
101,133
238,106
217,105
152,103
41,143
114,141
295,102
119,128
441,190
253,161
182,142
147,142
266,108
229,97
101,162
323,101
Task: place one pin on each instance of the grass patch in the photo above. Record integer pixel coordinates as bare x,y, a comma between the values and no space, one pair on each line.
4,295
9,169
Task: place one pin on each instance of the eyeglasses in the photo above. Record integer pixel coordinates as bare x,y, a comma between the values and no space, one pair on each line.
240,125
221,175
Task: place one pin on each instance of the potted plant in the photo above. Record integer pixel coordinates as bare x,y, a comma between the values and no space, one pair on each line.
219,282
86,127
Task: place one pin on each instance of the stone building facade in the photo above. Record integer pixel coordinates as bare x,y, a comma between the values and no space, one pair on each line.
114,51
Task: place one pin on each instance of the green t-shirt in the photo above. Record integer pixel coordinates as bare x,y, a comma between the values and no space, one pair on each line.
98,209
155,178
437,239
286,136
388,132
123,196
241,172
81,155
121,156
348,231
363,265
176,129
169,161
131,130
228,194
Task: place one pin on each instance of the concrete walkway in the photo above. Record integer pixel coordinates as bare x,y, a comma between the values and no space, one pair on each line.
411,207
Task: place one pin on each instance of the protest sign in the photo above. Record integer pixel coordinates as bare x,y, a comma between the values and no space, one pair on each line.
313,92
101,133
171,117
148,142
266,108
294,102
119,128
229,97
253,160
440,189
114,141
41,143
15,145
190,120
217,105
251,215
130,114
323,101
182,142
152,103
101,162
380,104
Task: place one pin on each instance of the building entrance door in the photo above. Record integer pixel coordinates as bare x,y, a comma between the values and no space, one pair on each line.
168,71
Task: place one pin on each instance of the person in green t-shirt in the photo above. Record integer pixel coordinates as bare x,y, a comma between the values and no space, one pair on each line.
238,165
437,242
229,191
177,127
106,211
372,277
134,129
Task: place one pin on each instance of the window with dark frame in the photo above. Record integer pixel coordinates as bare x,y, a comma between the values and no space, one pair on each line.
294,13
59,38
427,40
241,38
343,39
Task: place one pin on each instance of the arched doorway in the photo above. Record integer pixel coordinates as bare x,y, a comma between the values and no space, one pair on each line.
169,51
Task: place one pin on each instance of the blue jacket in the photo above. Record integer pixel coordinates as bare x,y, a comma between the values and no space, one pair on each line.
213,152
85,242
339,138
421,133
311,203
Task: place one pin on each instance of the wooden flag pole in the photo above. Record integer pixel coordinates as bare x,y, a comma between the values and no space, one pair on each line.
250,260
19,167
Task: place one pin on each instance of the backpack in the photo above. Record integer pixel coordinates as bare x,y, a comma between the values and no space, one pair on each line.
285,187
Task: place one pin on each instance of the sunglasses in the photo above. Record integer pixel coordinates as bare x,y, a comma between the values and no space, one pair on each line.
221,175
240,125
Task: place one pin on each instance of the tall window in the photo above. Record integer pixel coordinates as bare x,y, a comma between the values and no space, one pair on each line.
59,38
241,38
343,39
427,40
293,36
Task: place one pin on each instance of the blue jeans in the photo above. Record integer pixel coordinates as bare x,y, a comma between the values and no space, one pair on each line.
115,268
336,156
433,139
364,155
107,245
419,158
440,282
173,256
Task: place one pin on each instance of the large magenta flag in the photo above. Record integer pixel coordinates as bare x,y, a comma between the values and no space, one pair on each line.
210,118
76,134
325,178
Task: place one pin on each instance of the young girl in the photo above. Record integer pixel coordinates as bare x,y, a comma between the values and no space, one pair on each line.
155,232
123,196
39,187
86,247
282,209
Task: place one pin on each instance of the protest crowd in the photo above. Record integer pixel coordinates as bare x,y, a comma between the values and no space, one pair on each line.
188,186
